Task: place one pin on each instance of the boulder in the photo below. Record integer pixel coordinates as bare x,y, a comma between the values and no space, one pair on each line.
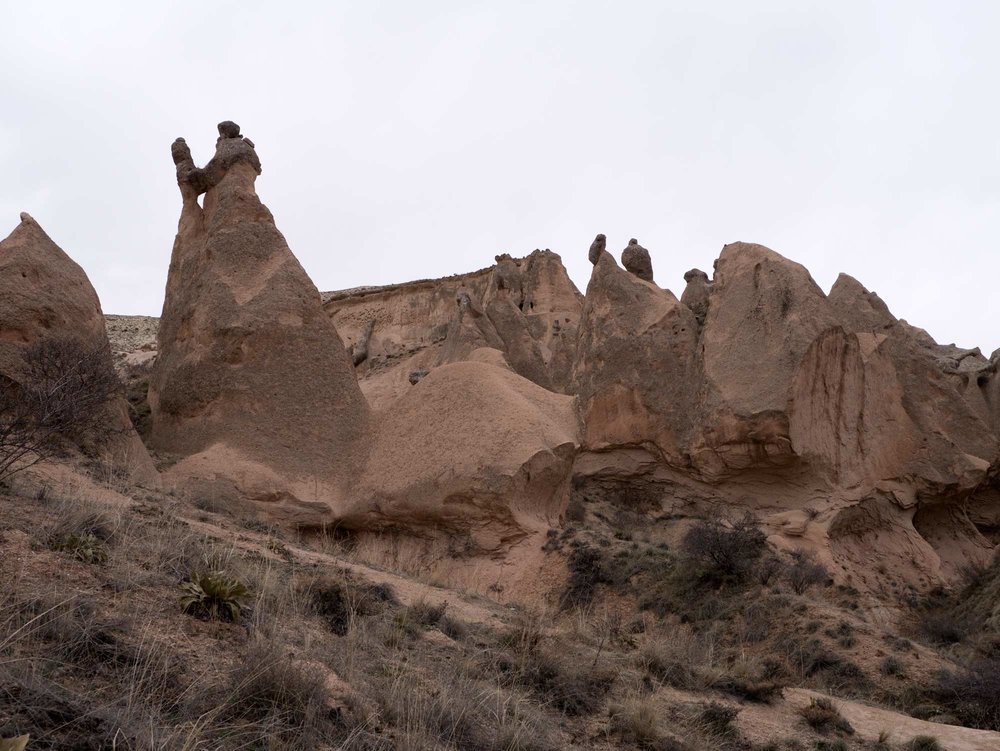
636,260
697,294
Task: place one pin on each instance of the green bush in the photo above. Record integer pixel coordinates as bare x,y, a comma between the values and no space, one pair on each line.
84,546
214,596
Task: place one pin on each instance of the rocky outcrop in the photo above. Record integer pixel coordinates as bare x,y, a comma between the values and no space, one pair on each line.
636,260
525,308
46,296
252,389
635,371
473,451
827,414
697,294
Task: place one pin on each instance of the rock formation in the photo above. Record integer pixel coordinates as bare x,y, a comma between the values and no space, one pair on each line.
697,294
253,389
526,309
636,260
760,390
473,451
597,248
45,296
502,397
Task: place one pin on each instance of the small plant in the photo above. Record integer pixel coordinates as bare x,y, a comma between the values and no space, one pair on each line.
718,718
943,628
634,722
973,693
84,546
213,596
892,666
823,717
585,574
806,572
923,743
726,551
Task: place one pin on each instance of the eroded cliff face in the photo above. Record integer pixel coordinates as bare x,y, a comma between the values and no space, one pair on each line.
851,433
484,406
526,309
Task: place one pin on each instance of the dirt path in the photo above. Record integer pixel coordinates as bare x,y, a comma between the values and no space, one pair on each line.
464,608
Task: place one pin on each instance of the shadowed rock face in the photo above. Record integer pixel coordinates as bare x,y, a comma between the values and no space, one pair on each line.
252,388
45,295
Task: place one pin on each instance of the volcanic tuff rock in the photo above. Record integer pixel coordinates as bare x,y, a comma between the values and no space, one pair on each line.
252,387
44,295
636,260
473,450
503,397
525,308
826,414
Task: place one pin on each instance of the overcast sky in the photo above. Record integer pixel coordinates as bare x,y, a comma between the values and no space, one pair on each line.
405,140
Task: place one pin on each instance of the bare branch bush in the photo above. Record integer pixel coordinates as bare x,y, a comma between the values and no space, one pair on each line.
60,396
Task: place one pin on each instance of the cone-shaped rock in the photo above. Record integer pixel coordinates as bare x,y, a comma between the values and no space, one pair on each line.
252,383
45,295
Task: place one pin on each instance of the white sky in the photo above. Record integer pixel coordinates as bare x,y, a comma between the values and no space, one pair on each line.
405,140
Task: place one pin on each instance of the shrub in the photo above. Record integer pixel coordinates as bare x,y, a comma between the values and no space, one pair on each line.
570,686
420,615
679,661
943,628
725,551
634,722
892,666
526,633
339,602
84,546
584,575
213,595
923,743
60,394
82,533
823,717
718,718
281,700
806,572
973,694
